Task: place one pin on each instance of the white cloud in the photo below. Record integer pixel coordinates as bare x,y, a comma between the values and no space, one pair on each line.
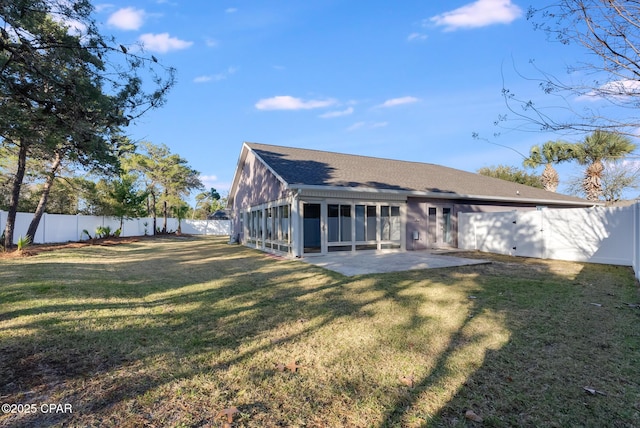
163,42
480,13
615,89
216,77
286,102
356,126
58,14
203,79
231,10
417,37
127,18
399,101
210,181
103,7
74,27
367,125
208,178
338,113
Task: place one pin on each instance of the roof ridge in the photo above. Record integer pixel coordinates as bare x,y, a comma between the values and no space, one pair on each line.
353,155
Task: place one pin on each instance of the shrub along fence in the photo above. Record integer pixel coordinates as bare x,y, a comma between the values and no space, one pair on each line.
55,228
596,235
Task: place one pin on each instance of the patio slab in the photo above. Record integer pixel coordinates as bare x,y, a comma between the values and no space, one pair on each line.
350,264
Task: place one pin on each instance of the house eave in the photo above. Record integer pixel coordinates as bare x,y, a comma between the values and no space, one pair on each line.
319,190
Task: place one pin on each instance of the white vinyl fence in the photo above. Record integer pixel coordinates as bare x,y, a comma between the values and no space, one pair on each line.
56,228
596,235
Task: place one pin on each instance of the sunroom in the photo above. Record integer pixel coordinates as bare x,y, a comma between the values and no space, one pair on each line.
324,226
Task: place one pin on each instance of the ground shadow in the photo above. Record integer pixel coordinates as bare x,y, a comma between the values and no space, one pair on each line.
568,326
200,309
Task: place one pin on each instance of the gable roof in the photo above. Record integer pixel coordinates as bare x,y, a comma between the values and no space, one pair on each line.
306,168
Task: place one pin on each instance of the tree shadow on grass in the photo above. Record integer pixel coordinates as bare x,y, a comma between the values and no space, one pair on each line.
207,328
206,312
565,327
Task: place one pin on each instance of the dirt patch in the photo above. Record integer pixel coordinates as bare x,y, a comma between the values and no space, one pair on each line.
35,249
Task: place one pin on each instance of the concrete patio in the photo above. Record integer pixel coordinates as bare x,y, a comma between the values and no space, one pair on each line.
350,264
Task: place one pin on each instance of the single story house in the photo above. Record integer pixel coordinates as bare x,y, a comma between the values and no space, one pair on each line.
301,202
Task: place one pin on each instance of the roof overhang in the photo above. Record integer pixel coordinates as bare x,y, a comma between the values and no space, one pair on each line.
389,194
321,190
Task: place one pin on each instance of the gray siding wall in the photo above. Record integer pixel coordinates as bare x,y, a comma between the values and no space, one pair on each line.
257,185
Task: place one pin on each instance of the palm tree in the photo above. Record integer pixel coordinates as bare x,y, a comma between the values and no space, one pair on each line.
180,212
598,147
550,153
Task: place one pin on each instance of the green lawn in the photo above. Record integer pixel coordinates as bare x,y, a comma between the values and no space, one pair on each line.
172,331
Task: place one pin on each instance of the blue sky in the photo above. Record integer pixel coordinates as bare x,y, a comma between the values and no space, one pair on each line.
408,80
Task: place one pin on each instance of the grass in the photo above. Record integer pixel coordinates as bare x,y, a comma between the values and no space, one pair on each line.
171,331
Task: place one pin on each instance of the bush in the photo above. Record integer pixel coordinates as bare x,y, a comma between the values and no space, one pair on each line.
23,242
103,232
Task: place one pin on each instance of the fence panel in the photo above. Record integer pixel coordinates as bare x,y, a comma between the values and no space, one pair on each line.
207,227
596,235
489,232
22,225
89,224
55,228
130,227
59,227
528,237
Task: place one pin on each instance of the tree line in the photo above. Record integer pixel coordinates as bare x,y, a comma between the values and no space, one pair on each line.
67,93
601,153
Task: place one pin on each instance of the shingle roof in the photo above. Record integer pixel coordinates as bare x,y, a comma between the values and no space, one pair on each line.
320,168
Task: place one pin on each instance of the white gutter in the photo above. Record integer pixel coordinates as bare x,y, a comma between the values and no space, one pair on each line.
437,195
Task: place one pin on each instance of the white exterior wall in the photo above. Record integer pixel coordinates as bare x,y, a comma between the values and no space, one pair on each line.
596,235
55,228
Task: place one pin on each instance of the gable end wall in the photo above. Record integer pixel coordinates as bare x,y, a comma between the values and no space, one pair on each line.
256,185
